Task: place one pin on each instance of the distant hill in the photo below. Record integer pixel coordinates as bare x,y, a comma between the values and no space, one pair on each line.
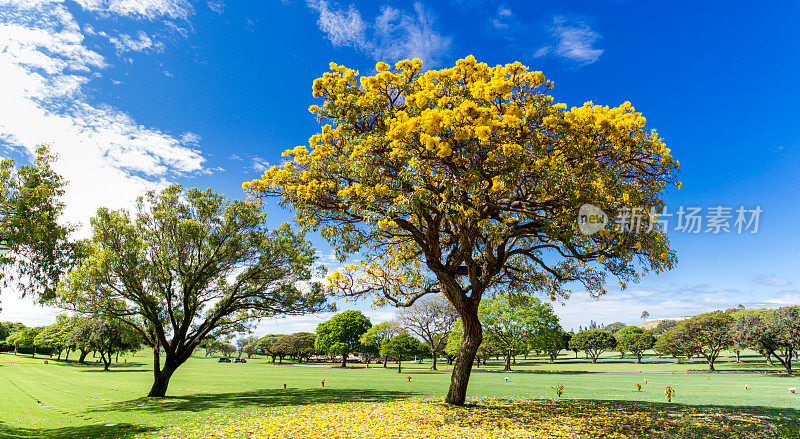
652,323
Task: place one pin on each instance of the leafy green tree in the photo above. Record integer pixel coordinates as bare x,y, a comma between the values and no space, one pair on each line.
431,319
594,342
373,339
512,321
551,342
266,345
213,342
243,343
187,264
55,336
476,174
30,223
298,346
25,339
303,345
705,334
774,332
341,334
402,346
634,340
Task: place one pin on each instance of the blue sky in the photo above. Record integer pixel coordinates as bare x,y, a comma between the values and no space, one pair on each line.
136,94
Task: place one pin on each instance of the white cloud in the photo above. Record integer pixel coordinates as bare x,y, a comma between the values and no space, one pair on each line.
772,280
141,43
107,157
393,35
572,41
260,165
500,20
217,6
343,28
140,9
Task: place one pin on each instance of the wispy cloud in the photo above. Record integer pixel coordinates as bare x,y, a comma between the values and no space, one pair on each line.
217,6
139,9
105,154
772,280
501,19
392,35
141,43
260,164
572,40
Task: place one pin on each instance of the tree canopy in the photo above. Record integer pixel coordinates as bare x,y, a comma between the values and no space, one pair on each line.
634,340
341,334
401,346
32,227
469,179
594,342
186,264
512,321
705,334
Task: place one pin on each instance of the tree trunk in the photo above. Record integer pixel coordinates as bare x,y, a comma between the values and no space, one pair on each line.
473,336
106,360
433,365
399,366
82,358
161,382
66,357
385,359
160,376
508,362
639,357
738,360
344,360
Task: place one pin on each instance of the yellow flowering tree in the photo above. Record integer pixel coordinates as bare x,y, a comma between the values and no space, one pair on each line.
467,180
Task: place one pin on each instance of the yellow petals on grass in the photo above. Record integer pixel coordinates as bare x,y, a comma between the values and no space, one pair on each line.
483,418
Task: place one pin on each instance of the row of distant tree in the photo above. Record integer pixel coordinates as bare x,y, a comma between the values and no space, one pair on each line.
520,325
83,335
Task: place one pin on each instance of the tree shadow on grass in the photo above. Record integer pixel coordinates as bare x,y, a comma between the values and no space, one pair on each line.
256,399
112,369
116,431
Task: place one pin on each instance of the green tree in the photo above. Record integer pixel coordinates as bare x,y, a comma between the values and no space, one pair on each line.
243,343
31,207
705,334
402,346
512,321
341,334
774,332
187,264
634,340
25,339
468,180
373,339
266,345
431,319
551,342
594,342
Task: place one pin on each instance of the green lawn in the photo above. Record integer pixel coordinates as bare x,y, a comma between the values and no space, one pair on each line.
66,400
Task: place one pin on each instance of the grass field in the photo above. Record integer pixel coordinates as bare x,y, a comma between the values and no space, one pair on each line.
67,400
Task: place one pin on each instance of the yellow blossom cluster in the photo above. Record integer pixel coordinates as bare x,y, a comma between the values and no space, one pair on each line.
483,418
